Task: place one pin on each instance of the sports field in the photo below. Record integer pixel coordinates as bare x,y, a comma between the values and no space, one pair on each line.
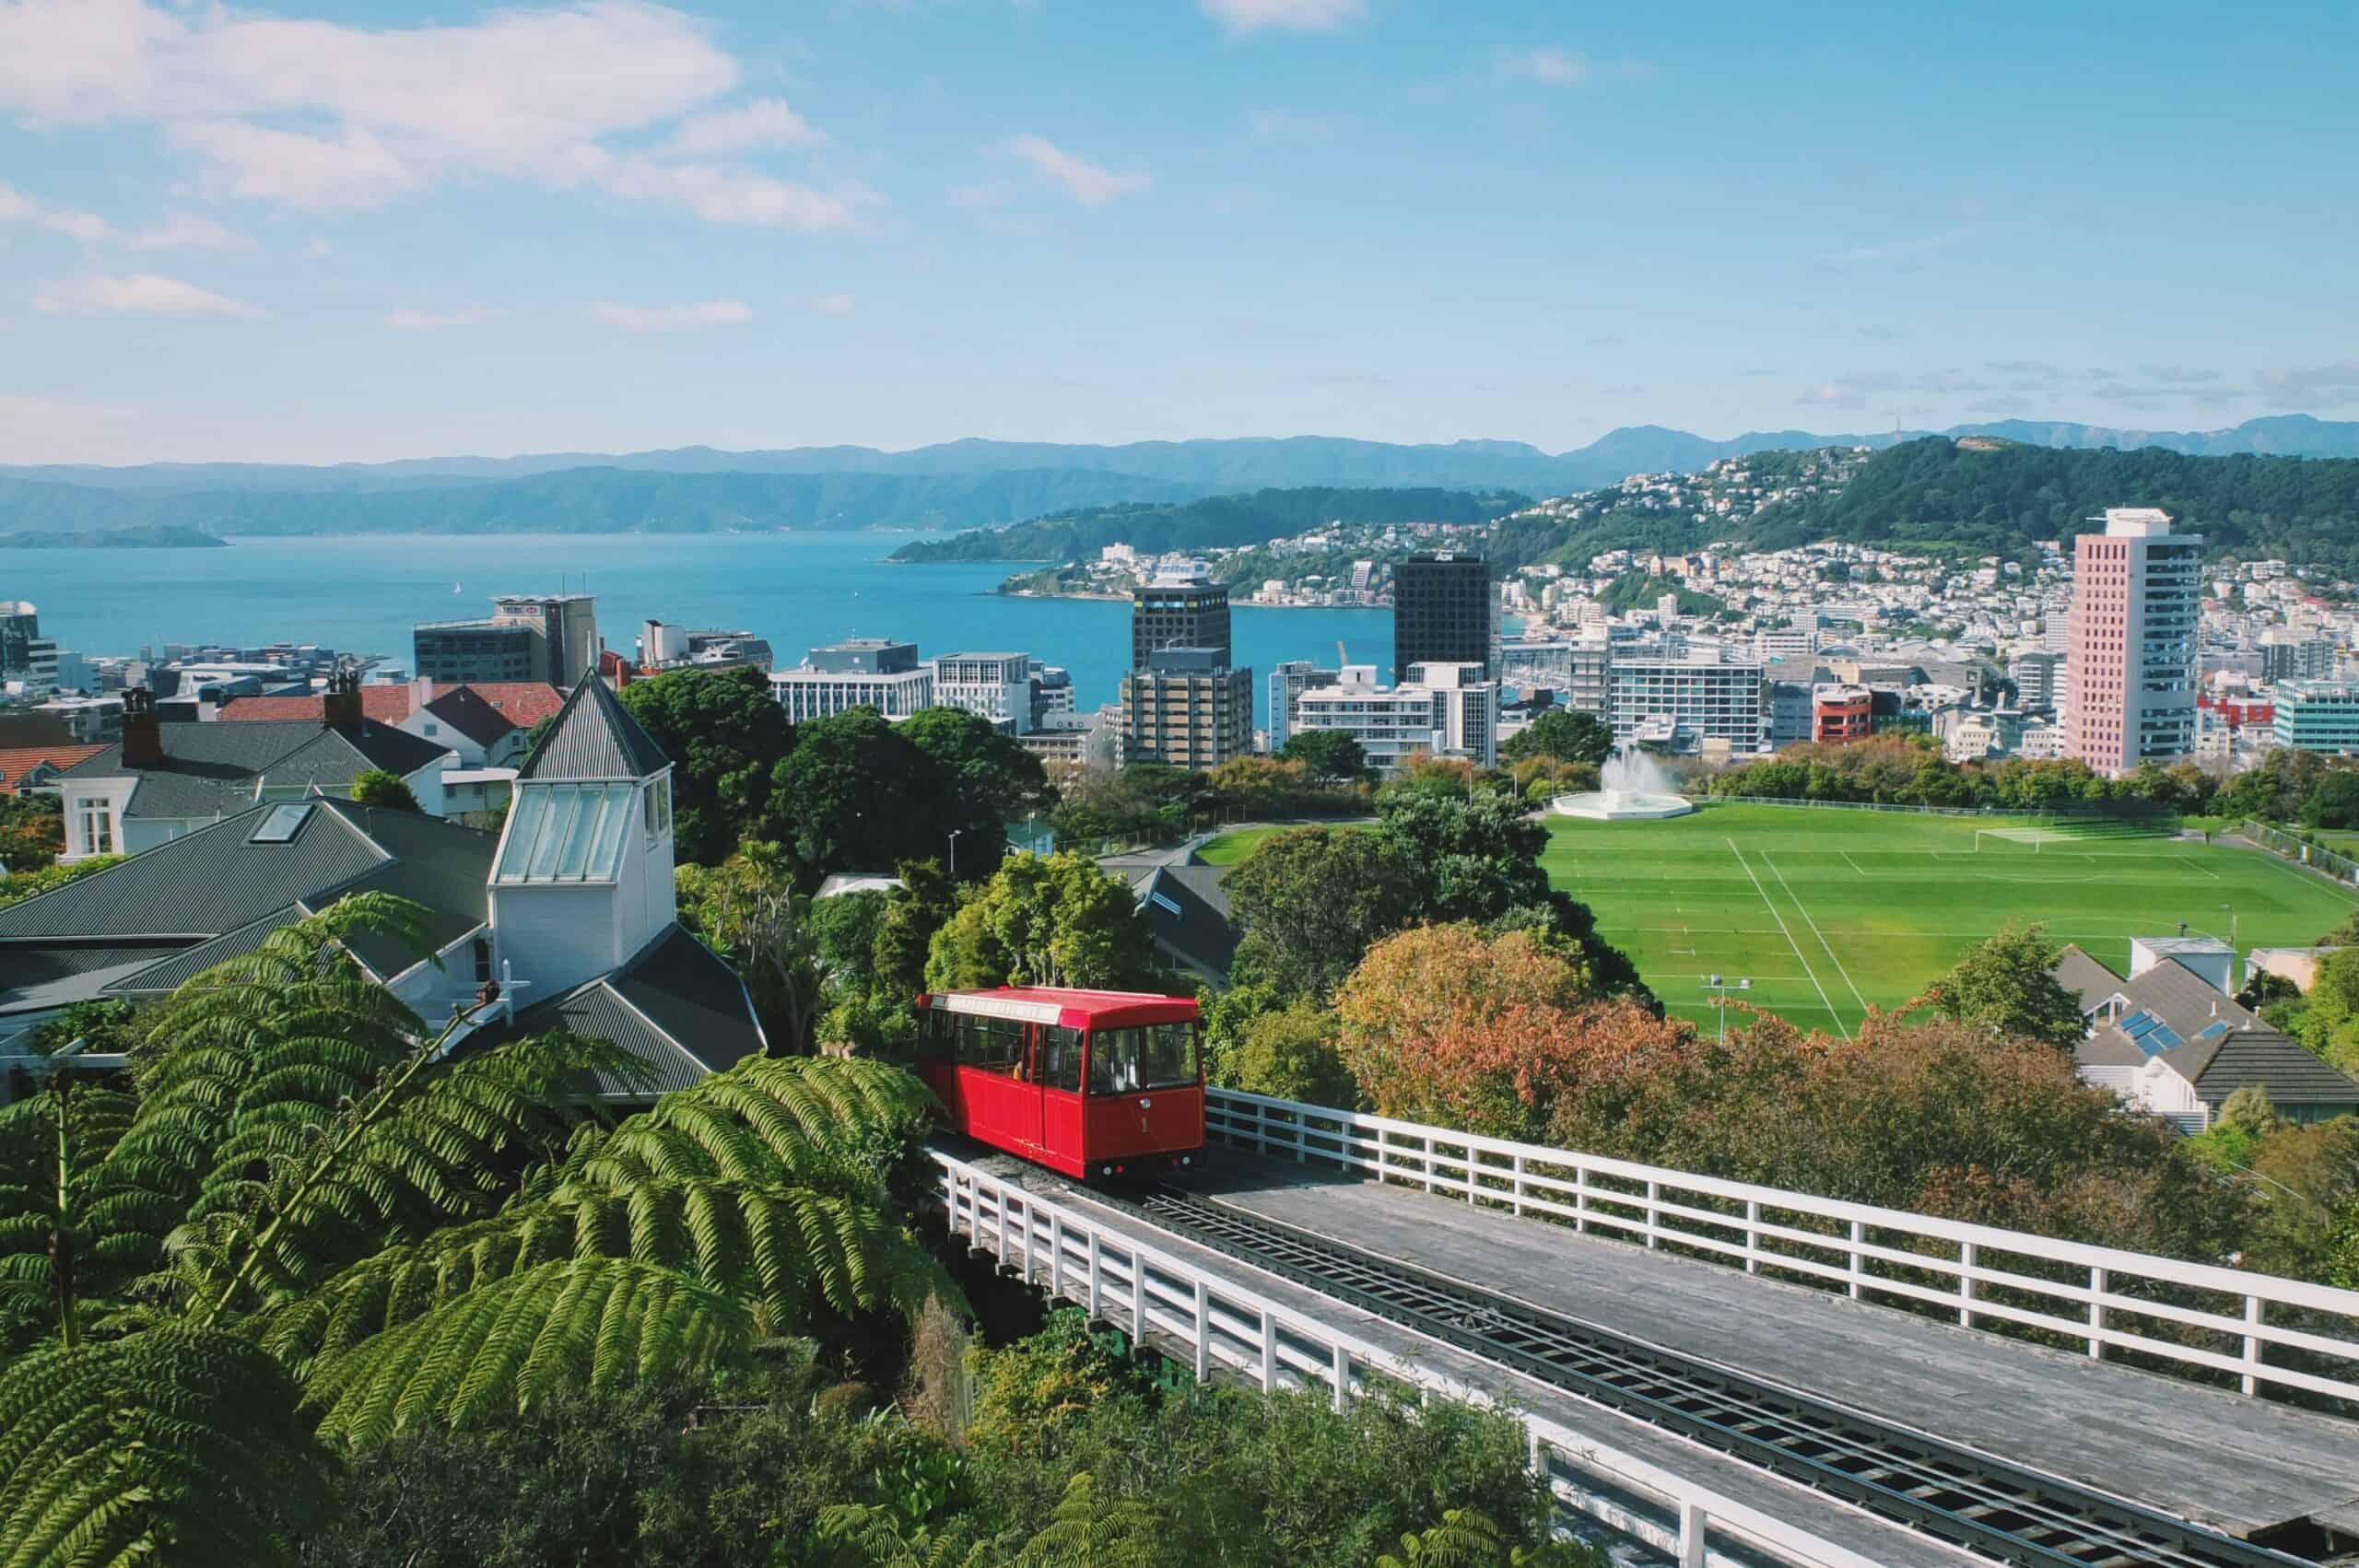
1829,911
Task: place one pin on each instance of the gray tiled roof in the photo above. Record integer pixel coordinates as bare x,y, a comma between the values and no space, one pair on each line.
594,737
221,894
2288,1070
213,769
677,1006
2182,999
2084,977
1187,912
464,710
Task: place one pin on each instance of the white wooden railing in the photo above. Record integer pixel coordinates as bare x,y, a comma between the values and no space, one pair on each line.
2104,1299
1227,1326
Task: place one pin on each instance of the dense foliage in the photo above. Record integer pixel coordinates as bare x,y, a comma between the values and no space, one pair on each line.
299,1195
726,736
1066,1439
32,832
1045,920
2007,984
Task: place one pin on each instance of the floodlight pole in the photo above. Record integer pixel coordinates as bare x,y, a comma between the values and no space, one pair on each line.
1720,989
953,851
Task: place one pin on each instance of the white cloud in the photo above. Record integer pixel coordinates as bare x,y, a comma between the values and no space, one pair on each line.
317,114
435,321
136,293
16,208
1567,68
672,318
2316,386
833,304
1089,183
187,230
317,249
765,123
1289,15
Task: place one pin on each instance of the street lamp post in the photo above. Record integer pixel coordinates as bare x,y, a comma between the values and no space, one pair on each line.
2231,908
953,851
1719,987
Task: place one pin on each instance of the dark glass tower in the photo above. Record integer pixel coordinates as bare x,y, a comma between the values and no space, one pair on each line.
1441,612
1178,613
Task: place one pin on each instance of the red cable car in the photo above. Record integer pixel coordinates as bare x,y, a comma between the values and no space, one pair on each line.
1091,1084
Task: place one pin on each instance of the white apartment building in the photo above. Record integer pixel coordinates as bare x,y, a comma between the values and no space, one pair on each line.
816,693
1448,710
1701,696
997,686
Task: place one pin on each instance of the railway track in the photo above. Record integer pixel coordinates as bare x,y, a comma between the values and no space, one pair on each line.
1968,1499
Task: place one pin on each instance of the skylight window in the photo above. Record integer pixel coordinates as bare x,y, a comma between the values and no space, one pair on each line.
561,833
281,824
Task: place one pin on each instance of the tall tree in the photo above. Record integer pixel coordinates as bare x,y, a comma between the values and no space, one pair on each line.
1044,921
747,910
1332,756
2007,984
725,735
1562,736
1308,902
854,795
987,778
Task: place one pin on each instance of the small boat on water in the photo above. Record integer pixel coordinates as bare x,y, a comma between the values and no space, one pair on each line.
456,588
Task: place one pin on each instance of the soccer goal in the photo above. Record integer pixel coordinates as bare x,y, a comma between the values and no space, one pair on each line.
2016,837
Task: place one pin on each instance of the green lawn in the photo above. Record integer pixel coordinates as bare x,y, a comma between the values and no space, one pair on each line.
1829,911
1231,848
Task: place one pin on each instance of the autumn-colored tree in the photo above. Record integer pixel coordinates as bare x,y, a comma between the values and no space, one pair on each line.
1449,1026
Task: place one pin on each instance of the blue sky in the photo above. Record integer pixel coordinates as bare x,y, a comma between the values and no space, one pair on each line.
320,232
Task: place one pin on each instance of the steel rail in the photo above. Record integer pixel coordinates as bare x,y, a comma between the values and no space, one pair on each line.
1968,1499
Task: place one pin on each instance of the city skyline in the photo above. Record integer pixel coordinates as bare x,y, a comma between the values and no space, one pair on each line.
300,233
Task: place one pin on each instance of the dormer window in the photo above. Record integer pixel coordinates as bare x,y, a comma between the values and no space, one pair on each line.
565,833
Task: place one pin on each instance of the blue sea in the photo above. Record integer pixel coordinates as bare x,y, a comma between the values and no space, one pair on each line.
363,594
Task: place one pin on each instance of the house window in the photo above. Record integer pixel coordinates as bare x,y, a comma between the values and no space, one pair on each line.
657,807
98,829
483,958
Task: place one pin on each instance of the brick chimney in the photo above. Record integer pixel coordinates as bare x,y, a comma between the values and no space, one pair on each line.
143,736
340,705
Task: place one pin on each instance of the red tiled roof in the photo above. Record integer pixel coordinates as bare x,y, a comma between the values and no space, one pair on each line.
17,761
386,704
521,703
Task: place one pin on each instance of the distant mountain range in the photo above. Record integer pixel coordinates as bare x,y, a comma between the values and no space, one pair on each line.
954,485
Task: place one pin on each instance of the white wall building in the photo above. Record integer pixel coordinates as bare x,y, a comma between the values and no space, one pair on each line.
997,686
816,694
1708,699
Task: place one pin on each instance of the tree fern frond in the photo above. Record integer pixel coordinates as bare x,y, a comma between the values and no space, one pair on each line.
177,1444
1085,1533
504,1346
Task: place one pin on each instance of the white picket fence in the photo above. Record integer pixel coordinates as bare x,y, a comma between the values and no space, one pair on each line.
1227,1326
2105,1300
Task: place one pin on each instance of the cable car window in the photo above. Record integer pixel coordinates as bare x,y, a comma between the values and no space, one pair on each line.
1061,1060
1152,1056
991,1045
937,1036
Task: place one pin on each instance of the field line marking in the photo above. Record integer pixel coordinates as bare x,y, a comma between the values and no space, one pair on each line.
1848,862
1789,934
2310,880
1771,862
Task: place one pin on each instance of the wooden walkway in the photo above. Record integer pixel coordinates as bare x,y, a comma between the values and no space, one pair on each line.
1823,1518
2240,1465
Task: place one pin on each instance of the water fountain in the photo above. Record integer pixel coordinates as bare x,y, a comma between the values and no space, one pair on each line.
1633,787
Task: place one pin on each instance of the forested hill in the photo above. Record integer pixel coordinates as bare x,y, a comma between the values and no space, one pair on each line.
1214,521
1998,497
1983,496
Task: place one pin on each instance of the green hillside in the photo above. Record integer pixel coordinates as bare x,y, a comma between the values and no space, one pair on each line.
1217,521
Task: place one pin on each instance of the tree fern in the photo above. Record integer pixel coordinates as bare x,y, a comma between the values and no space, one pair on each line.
586,1321
179,1444
1466,1539
1085,1533
78,1221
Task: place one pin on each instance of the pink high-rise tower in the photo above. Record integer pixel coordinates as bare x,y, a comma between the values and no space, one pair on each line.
2136,597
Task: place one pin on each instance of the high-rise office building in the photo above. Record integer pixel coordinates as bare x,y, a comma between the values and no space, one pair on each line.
1443,612
2136,597
551,638
28,660
1287,683
997,686
1187,709
1180,609
2318,716
861,671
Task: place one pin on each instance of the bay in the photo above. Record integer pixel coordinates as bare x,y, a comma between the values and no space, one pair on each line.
362,595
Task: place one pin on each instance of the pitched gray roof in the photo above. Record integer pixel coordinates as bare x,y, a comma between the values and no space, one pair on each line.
594,737
677,1006
464,710
2288,1070
213,894
2185,1003
2085,977
1188,914
213,769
